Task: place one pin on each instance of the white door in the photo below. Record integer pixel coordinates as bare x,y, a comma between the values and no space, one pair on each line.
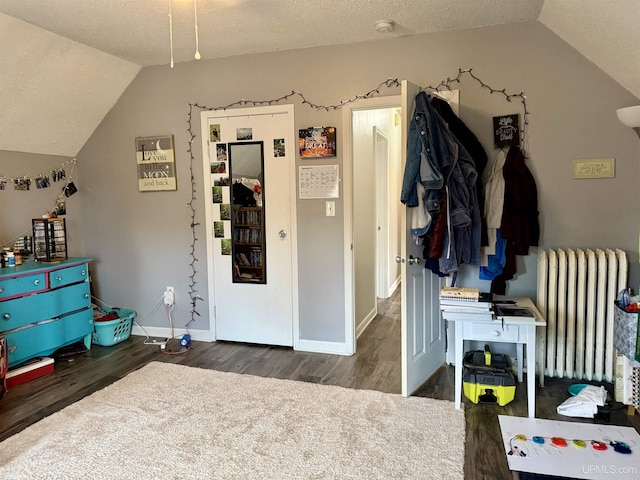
251,236
423,332
381,159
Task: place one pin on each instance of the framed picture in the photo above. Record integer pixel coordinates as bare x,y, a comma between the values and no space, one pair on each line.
156,162
317,142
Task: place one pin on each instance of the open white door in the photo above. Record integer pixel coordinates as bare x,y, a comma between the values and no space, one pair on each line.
423,332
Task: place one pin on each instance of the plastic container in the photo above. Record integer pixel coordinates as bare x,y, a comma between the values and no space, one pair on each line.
115,331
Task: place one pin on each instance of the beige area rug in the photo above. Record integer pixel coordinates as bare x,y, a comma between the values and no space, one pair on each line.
169,421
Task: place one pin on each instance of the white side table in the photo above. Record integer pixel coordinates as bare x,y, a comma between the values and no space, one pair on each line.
521,331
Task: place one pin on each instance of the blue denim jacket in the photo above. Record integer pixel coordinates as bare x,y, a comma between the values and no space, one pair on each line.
463,209
427,156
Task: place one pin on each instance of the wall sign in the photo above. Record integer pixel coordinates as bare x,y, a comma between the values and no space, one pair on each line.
594,168
506,131
315,142
156,161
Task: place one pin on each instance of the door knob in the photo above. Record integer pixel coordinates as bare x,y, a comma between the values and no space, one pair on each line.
282,234
399,259
413,260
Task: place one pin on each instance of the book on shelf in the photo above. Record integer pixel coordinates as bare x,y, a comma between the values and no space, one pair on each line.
485,301
469,294
466,308
513,311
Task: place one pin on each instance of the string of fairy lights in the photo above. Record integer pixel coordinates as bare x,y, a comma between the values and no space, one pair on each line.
64,172
445,84
41,179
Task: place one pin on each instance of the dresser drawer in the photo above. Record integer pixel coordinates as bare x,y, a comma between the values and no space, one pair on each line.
34,341
67,276
20,285
491,332
77,326
43,306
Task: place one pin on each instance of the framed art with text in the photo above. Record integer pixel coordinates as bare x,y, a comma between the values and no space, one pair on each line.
155,158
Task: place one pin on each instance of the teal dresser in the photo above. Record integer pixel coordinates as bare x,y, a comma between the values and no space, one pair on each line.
44,307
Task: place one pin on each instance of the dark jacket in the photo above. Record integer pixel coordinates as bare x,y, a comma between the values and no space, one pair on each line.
520,228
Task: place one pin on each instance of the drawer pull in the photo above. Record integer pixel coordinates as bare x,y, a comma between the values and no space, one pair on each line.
6,316
496,333
86,295
1,289
83,272
12,349
36,282
59,279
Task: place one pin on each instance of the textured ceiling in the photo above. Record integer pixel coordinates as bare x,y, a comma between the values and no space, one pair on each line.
138,30
132,33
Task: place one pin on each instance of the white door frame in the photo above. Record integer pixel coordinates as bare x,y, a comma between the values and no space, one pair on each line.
347,176
291,149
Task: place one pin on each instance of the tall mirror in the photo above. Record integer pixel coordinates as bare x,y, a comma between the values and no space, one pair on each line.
246,170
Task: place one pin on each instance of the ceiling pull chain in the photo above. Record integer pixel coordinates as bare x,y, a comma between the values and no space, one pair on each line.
171,33
195,16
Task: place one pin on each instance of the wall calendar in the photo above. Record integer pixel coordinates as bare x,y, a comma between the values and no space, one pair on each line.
318,181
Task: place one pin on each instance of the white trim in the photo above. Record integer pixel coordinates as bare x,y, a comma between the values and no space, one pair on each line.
316,346
365,323
394,101
165,332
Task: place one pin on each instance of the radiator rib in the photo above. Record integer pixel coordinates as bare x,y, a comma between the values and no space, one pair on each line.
576,292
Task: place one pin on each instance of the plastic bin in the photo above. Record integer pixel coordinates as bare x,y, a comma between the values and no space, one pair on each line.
114,331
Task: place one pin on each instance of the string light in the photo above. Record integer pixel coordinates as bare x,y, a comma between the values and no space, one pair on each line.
446,84
389,83
55,173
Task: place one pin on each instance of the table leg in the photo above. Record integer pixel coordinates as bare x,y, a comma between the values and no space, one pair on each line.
520,359
459,354
531,373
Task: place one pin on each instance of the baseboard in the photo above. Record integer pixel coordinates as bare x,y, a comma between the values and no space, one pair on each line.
394,286
362,326
315,346
165,332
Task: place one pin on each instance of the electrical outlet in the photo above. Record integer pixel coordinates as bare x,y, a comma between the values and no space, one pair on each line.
169,296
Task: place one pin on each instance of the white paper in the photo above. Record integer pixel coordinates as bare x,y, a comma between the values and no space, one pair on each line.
319,181
571,461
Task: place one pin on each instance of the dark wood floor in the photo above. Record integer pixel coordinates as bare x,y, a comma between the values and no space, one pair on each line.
375,366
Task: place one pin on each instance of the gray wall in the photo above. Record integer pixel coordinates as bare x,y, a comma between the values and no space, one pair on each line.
141,241
19,207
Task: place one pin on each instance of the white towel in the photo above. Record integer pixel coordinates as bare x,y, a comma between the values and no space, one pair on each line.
585,404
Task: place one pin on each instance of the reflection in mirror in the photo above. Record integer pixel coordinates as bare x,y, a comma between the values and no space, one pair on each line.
246,169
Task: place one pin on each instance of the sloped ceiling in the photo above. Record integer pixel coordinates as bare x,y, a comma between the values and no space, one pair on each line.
64,66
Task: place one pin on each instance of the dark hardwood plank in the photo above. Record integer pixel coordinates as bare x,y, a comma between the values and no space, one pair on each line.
375,366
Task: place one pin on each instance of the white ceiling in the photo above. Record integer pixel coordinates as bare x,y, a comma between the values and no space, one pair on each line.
134,33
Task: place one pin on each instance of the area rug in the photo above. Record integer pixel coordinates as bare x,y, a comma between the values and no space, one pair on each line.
170,421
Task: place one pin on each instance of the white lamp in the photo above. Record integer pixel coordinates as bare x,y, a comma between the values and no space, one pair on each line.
630,116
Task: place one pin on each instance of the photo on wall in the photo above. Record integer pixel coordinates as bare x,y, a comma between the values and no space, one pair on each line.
214,132
218,167
245,133
278,147
216,194
225,246
317,142
221,152
218,229
225,211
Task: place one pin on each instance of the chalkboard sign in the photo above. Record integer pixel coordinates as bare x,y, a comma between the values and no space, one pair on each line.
506,131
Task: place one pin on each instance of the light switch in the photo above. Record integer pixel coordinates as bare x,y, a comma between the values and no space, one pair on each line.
331,209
